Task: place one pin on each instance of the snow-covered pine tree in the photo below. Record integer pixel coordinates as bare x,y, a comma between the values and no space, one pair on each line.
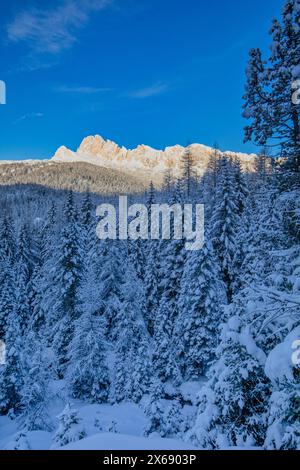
88,376
257,99
86,212
49,233
168,181
164,355
7,259
19,442
87,227
155,409
42,282
284,69
258,230
261,234
7,243
133,366
35,393
189,173
165,417
12,372
152,269
263,168
7,299
172,258
137,256
37,321
233,404
25,254
36,287
290,219
152,283
241,185
16,309
202,296
210,177
65,287
138,250
110,285
70,428
224,223
284,417
23,270
269,100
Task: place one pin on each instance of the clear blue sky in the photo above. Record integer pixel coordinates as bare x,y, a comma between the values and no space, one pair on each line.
157,72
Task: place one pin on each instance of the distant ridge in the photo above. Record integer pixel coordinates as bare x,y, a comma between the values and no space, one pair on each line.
144,161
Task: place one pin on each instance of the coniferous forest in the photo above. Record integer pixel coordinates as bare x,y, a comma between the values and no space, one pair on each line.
148,339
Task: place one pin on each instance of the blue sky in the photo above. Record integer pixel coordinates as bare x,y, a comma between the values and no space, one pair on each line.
157,72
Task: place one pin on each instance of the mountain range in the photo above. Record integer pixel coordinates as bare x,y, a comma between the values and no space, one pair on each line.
104,167
145,161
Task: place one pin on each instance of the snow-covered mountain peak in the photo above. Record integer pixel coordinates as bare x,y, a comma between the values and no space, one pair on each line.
143,159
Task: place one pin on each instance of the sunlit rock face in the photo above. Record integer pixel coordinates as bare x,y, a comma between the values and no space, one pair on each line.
144,159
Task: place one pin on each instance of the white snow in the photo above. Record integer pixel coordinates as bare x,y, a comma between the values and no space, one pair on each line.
252,349
279,364
108,427
109,441
190,390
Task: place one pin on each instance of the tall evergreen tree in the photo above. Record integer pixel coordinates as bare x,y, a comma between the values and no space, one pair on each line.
12,373
172,262
7,300
35,393
224,223
269,103
111,282
188,171
133,359
88,376
233,404
283,414
202,296
65,288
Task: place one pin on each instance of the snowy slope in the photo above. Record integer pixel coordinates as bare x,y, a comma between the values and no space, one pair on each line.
109,441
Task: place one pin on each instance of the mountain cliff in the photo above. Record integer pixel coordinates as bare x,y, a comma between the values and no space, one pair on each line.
144,160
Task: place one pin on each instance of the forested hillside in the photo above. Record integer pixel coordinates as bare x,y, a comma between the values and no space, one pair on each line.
72,176
113,322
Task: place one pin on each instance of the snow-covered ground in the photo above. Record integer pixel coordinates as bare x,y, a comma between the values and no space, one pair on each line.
109,441
107,427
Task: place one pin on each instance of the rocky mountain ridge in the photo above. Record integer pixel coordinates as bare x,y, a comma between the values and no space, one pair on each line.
144,160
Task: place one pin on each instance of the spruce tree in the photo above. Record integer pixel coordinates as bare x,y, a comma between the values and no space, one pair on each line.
65,287
188,172
172,257
152,285
283,415
70,428
133,368
7,244
35,393
202,296
7,300
224,223
12,372
234,402
269,103
111,281
88,376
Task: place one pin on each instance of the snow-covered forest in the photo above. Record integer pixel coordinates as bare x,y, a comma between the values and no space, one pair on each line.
200,341
143,338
